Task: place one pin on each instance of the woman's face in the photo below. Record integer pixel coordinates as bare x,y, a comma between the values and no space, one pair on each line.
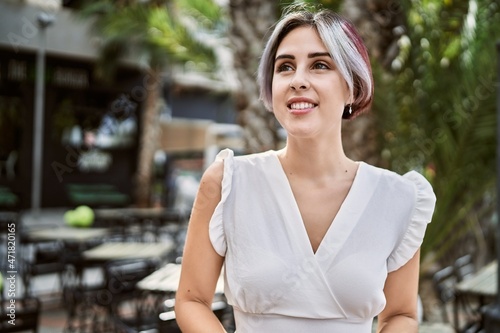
309,94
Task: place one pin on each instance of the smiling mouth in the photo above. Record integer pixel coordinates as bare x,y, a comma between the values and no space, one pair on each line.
301,106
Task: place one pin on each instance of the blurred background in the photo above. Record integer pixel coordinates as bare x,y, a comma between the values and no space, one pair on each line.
123,104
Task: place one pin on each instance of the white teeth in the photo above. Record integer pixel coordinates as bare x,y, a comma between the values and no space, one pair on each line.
302,105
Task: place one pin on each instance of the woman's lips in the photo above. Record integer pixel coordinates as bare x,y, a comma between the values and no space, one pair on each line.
300,108
301,105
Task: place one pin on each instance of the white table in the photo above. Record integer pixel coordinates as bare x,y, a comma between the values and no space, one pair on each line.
166,279
66,234
481,284
127,250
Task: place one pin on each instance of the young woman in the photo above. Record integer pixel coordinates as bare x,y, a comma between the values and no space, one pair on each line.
310,240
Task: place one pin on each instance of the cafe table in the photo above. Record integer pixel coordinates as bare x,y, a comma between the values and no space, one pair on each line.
482,284
164,283
57,249
66,234
127,250
143,223
101,256
74,240
166,280
112,214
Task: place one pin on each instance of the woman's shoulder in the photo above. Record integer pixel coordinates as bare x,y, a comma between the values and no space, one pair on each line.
411,184
226,161
228,153
411,178
213,175
254,162
255,157
215,171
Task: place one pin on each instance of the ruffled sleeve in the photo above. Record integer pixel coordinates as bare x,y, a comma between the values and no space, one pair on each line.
216,225
425,201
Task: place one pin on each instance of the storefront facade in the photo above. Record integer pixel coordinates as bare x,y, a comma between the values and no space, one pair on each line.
91,125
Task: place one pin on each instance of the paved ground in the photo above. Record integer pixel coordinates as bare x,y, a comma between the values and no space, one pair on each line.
53,319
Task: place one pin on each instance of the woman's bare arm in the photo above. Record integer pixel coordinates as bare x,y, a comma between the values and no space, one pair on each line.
201,265
401,293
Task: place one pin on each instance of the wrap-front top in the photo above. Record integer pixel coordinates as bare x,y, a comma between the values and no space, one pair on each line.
274,280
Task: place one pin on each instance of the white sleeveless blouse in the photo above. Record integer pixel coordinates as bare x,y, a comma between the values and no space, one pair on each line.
274,280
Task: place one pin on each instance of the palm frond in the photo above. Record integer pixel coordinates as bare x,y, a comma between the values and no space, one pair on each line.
151,30
443,100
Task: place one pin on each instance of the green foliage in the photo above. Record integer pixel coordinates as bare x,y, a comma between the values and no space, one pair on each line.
154,31
315,4
175,40
207,13
438,110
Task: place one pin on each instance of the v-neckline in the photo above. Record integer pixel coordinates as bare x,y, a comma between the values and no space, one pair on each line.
337,219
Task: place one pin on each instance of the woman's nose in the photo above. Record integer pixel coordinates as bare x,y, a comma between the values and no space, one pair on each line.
299,81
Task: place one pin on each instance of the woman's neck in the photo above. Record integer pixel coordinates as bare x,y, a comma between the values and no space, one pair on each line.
307,159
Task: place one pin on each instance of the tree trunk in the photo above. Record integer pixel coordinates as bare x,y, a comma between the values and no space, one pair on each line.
380,22
251,20
148,141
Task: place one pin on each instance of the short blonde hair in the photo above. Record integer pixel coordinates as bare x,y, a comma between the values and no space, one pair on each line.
345,47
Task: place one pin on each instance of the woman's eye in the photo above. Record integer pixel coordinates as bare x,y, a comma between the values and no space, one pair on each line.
320,65
284,68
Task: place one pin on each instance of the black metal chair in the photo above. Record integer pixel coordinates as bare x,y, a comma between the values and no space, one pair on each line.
122,277
45,258
9,258
464,267
94,308
455,308
444,282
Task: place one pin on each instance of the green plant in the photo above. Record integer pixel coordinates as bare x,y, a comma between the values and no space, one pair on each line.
438,107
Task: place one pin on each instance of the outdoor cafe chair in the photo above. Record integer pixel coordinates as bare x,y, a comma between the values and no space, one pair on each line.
41,256
43,259
455,309
93,307
27,309
464,267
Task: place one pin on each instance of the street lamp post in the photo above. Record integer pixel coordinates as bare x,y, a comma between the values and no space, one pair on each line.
44,20
492,314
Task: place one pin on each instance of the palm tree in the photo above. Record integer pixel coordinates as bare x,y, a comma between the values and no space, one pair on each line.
439,118
376,21
153,31
250,24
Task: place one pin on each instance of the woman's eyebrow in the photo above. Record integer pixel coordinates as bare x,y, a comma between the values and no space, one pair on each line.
284,56
319,54
310,55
